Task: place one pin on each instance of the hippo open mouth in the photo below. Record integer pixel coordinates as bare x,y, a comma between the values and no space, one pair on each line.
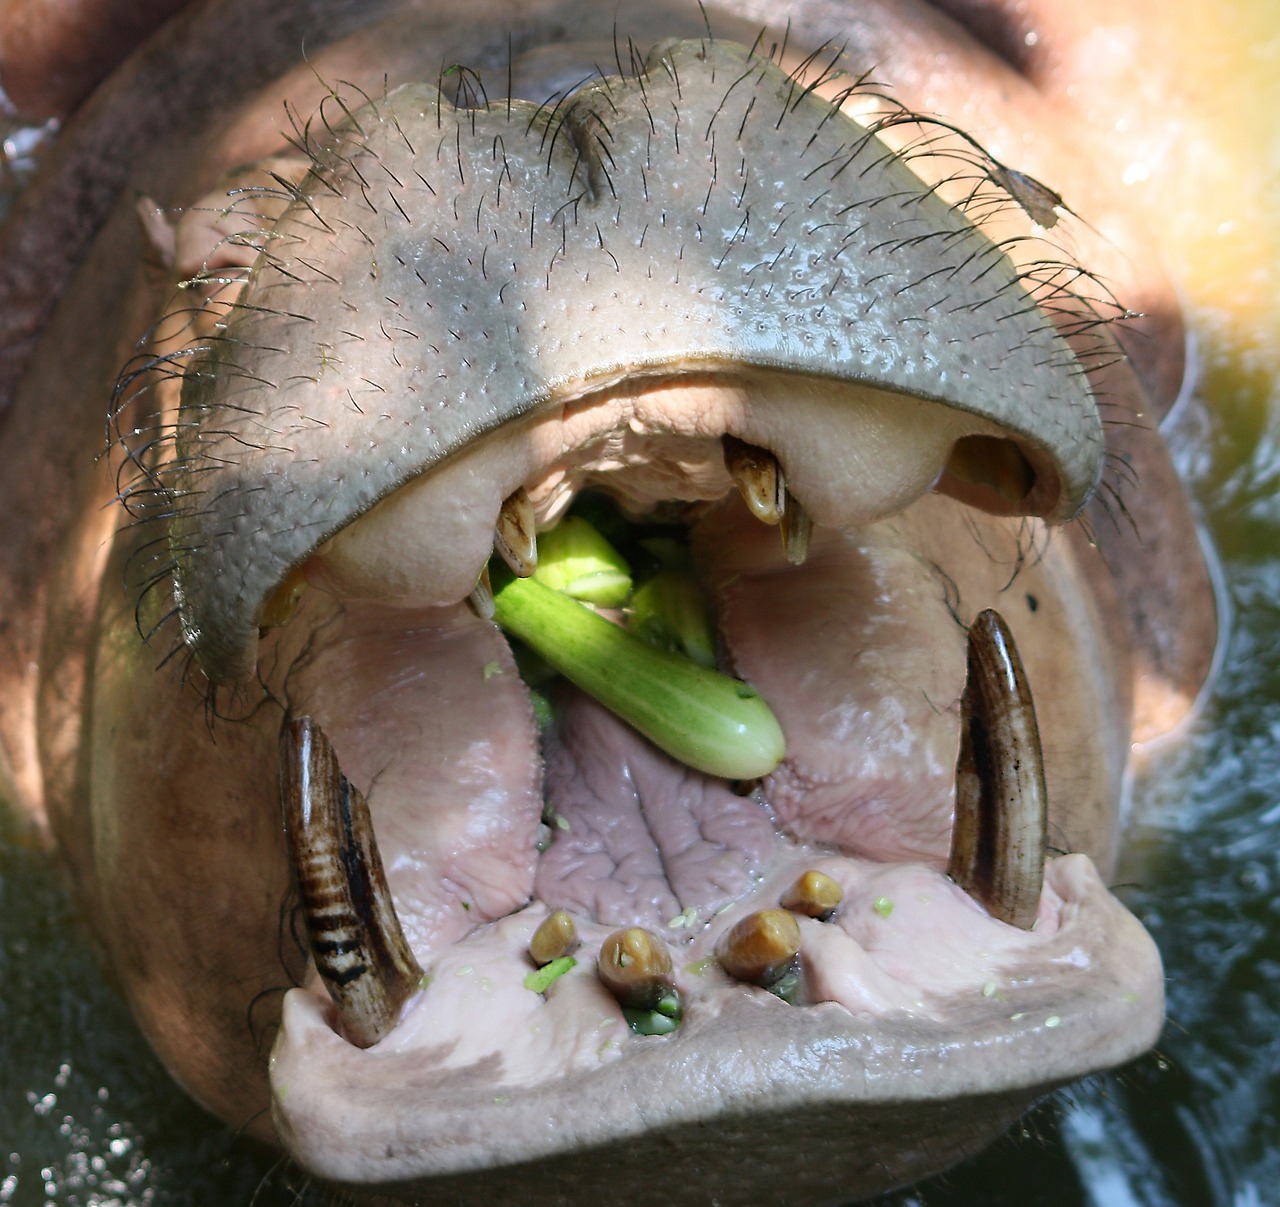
623,294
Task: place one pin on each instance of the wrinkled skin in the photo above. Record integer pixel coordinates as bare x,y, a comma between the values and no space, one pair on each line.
171,826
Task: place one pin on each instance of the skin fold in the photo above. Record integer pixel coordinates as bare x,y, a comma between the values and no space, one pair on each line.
168,820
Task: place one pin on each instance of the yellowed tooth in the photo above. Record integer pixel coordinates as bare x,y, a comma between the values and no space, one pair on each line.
635,966
481,597
555,937
283,601
814,894
761,947
515,536
796,529
758,476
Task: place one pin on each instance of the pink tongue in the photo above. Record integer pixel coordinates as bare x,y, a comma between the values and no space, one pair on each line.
855,654
639,838
858,657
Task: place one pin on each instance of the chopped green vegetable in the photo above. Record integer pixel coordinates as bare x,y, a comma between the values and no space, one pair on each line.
670,612
702,718
787,986
543,712
883,906
541,979
575,559
664,1018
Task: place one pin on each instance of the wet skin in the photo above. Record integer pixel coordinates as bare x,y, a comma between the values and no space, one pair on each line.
168,865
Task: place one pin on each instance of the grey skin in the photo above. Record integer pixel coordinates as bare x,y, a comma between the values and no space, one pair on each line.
171,829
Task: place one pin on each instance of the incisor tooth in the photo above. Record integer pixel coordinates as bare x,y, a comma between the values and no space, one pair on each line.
758,476
814,894
635,966
556,936
515,536
998,843
761,947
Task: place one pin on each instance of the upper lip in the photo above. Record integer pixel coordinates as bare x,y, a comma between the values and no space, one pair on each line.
518,281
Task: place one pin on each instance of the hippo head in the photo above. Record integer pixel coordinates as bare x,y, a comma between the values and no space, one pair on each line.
442,944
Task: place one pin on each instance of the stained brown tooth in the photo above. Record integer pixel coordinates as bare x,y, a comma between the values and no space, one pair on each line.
998,844
359,949
758,476
481,597
814,894
796,529
515,537
283,601
635,966
556,936
761,947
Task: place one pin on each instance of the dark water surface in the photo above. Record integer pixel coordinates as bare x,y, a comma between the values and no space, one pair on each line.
87,1116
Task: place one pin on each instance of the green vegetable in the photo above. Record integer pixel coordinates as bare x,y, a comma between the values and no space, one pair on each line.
574,558
670,613
698,716
541,979
661,1020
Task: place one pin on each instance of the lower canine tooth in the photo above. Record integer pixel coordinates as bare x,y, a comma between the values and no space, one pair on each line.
359,949
814,894
635,966
998,844
515,536
796,529
758,476
481,597
761,947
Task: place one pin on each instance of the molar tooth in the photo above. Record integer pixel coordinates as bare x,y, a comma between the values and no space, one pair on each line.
758,476
997,846
556,936
359,948
761,947
515,536
635,966
814,894
796,529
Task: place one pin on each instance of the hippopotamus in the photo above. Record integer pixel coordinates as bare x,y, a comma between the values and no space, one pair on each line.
361,293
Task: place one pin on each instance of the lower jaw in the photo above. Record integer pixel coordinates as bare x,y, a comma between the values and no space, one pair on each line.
914,997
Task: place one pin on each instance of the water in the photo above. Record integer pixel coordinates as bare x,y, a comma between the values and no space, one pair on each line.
87,1116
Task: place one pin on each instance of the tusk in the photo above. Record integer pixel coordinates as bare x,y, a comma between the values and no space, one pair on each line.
796,529
359,948
515,537
998,843
758,477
